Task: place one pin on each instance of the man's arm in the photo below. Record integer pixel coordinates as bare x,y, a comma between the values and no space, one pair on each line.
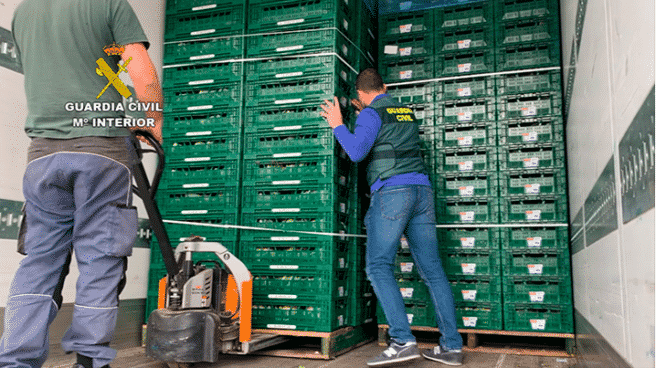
146,83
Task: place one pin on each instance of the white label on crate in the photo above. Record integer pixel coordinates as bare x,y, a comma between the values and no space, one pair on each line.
291,100
345,50
407,266
204,7
342,237
469,321
529,111
532,189
465,116
289,75
468,268
201,107
194,212
342,180
282,296
404,243
195,134
340,320
536,296
469,295
530,137
405,28
407,292
464,92
534,242
289,48
467,191
467,242
467,216
406,51
533,215
406,74
343,101
201,57
205,31
286,182
538,324
291,127
465,141
410,318
285,210
197,159
285,238
531,162
199,185
464,44
290,22
198,82
342,263
466,166
342,207
344,75
464,68
535,269
340,291
346,24
293,154
283,267
276,326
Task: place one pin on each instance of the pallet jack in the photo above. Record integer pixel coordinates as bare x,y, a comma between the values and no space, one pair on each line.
204,307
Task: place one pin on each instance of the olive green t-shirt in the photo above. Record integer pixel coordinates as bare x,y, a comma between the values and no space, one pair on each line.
58,44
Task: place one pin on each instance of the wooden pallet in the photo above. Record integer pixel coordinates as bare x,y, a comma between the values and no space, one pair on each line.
319,345
562,344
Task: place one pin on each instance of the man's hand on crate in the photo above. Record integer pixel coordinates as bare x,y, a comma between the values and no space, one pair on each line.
332,113
359,105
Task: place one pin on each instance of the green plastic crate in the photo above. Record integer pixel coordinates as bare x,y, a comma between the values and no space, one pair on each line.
551,208
227,236
472,263
402,24
407,69
547,318
530,105
414,291
522,262
483,239
414,93
295,68
202,99
535,238
541,182
463,39
298,43
481,316
528,82
193,6
297,284
284,118
527,56
190,178
288,15
328,221
479,289
471,87
543,290
314,89
182,204
424,114
532,130
473,14
322,314
404,46
521,9
467,185
466,135
405,267
420,315
527,31
464,63
204,51
454,160
467,210
466,111
213,22
218,122
202,74
203,149
363,310
544,156
297,170
283,144
297,196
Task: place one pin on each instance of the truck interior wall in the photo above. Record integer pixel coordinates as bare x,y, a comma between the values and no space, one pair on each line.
608,69
13,155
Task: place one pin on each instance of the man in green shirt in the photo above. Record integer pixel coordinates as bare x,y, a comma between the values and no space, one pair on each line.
78,181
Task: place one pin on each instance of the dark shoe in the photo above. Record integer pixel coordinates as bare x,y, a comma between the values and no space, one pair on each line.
450,357
395,353
85,362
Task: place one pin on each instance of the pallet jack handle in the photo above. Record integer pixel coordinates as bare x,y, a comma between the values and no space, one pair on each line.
146,191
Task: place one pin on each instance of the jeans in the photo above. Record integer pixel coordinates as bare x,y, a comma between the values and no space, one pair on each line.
394,211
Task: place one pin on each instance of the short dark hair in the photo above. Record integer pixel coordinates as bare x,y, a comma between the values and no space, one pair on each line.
369,81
